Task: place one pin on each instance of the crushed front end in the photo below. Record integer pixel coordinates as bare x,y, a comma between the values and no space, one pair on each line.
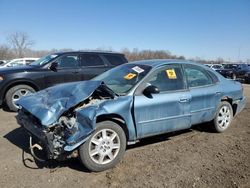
72,127
59,140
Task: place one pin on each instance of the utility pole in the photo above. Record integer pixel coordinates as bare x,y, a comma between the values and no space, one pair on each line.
239,54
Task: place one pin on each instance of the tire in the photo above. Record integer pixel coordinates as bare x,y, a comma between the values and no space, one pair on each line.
223,117
15,93
106,153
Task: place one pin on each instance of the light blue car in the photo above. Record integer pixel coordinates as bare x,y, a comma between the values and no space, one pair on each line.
97,119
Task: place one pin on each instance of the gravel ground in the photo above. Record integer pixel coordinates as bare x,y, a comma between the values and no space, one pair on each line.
192,158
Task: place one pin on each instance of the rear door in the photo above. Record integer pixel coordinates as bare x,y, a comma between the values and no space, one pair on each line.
205,94
91,65
166,111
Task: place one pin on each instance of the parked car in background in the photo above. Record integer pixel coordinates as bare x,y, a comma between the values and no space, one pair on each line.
54,69
208,65
243,73
2,62
216,66
234,71
18,62
96,119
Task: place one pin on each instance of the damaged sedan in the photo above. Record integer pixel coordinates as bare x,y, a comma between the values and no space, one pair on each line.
95,120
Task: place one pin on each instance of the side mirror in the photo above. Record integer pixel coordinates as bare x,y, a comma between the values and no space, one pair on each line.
53,66
151,90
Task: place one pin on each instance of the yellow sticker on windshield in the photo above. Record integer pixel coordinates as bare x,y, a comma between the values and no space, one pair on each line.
171,74
130,76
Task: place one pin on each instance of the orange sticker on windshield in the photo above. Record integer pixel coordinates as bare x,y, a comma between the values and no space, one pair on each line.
171,74
130,76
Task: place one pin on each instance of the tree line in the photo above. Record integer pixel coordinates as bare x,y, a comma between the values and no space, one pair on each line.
19,44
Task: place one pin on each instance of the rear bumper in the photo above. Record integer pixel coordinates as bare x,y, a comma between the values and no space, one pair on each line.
240,105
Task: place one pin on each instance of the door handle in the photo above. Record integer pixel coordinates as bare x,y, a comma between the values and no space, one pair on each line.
218,93
184,99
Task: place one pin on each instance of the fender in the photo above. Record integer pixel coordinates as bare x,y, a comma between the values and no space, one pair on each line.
86,119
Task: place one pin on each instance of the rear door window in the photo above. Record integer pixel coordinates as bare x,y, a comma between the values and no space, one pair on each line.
91,60
196,76
115,59
28,61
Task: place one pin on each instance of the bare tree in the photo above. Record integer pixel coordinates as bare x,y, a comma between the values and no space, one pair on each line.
5,52
20,41
220,60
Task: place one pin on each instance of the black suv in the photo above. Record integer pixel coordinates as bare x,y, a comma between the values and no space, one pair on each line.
54,69
234,71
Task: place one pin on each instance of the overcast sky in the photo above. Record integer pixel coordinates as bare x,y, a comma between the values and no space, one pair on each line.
194,28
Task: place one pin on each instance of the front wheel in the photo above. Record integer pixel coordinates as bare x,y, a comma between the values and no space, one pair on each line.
223,117
15,93
105,148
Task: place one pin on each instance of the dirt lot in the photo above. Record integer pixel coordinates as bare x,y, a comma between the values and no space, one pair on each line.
193,158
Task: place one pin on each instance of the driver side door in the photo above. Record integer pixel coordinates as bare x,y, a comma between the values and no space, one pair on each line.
166,111
68,70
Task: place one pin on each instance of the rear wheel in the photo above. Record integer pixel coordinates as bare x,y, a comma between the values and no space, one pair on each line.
224,116
105,148
15,93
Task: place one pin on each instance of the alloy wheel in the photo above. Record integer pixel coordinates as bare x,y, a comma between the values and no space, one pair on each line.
18,94
104,146
224,117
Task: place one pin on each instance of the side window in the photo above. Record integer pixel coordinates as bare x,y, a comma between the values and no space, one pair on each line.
28,61
114,59
15,63
169,78
91,60
213,76
68,61
197,77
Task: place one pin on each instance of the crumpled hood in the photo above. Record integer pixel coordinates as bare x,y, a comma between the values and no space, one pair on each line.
49,104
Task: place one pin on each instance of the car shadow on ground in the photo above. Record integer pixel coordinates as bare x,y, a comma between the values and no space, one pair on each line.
5,108
204,127
157,139
20,138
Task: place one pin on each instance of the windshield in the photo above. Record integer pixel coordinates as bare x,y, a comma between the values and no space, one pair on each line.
123,78
44,60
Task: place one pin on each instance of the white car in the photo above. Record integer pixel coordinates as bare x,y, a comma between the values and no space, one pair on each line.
19,62
215,66
3,62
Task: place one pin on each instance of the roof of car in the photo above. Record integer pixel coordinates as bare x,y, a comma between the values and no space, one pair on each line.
25,58
89,51
159,62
